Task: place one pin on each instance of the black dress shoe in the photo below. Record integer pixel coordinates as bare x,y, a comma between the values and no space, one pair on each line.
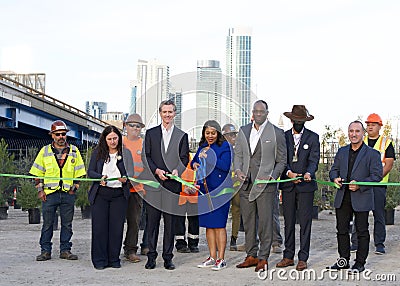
169,265
184,249
194,249
100,267
342,263
150,264
115,265
357,268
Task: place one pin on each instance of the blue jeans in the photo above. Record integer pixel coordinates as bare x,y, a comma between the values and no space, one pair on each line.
66,203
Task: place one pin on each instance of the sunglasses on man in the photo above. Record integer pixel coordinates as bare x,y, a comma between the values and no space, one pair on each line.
134,125
60,134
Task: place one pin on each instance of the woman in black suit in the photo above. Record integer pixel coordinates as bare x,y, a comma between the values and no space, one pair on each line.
108,199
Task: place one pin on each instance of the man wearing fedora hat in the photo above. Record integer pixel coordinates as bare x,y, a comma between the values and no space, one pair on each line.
297,196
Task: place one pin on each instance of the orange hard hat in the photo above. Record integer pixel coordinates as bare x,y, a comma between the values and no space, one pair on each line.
374,118
57,126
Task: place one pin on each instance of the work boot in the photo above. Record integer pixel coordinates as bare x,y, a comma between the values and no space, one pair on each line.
43,256
233,246
144,250
68,255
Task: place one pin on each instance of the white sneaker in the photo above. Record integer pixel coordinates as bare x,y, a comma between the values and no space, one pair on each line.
207,263
219,265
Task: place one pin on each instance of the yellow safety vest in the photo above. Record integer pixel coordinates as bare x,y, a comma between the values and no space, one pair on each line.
381,145
46,165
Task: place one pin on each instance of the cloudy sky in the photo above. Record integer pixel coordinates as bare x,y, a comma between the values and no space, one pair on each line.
340,58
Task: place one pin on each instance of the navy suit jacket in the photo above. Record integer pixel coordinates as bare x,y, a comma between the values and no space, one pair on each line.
307,160
96,168
367,168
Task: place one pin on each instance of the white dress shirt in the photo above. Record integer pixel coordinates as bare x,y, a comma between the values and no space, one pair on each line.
166,134
255,135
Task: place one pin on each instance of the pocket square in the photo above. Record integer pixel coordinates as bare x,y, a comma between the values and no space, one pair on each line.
267,141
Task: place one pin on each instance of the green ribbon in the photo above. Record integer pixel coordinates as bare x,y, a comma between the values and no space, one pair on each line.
191,185
144,182
180,180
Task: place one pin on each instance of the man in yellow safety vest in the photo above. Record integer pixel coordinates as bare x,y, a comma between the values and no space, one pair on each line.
59,165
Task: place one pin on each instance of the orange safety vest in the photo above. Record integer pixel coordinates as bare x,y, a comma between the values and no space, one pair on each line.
189,176
135,147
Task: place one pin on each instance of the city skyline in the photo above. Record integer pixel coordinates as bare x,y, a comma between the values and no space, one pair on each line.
339,58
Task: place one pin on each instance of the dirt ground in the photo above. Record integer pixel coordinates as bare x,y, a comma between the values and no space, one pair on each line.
19,247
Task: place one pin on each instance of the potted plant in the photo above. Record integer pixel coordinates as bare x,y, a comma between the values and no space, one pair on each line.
6,167
3,206
29,200
82,199
392,194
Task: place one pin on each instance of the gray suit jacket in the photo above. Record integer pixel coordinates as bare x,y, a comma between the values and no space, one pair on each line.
268,159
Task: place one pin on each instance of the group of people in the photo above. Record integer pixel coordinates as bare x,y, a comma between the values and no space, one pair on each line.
244,167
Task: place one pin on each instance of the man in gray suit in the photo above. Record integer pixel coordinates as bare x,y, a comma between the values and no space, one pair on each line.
260,154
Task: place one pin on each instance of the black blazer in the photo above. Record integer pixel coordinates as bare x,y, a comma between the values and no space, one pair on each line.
176,157
96,168
308,157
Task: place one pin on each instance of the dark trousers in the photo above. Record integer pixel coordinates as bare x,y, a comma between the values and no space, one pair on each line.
66,203
143,226
153,227
133,214
108,216
302,203
187,210
344,215
379,219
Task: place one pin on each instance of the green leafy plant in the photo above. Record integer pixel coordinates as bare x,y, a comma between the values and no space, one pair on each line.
393,192
324,196
6,167
82,199
27,196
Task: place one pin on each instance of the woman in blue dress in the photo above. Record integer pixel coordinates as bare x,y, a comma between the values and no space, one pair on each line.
212,163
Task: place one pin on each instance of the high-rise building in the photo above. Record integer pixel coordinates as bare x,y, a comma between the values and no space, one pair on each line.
208,93
177,98
132,106
152,87
96,108
238,72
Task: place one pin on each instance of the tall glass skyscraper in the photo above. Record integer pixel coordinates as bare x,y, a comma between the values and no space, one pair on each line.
96,108
152,87
208,93
238,72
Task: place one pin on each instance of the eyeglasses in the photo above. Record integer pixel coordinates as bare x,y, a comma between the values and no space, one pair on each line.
134,125
232,135
60,134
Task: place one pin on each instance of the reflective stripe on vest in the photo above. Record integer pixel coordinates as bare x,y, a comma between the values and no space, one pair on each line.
381,145
46,165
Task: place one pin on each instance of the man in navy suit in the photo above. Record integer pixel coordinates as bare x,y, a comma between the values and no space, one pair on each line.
166,150
354,163
297,196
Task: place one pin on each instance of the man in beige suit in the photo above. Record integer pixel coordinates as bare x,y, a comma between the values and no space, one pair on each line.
260,154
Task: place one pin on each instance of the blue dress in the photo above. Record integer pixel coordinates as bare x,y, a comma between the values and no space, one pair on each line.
216,171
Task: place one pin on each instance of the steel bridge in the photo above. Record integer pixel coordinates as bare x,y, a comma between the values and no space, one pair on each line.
26,114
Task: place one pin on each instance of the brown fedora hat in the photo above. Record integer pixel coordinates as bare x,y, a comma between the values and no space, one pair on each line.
135,118
299,113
